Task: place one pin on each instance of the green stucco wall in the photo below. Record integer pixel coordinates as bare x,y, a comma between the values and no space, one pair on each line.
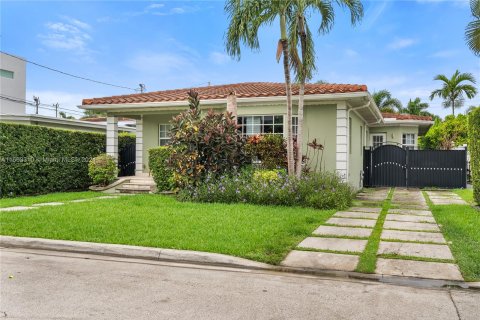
356,146
319,123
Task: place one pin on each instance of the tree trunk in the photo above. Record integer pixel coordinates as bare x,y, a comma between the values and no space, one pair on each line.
288,87
453,108
300,129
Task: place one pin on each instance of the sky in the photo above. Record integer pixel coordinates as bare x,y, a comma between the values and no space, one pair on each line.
399,46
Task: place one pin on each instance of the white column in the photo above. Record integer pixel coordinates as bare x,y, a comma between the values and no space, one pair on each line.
112,137
342,141
139,147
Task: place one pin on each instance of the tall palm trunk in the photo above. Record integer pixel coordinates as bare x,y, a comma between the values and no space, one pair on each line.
288,87
453,107
301,96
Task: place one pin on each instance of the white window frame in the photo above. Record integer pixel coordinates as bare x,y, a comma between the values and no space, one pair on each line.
405,138
163,139
261,124
373,135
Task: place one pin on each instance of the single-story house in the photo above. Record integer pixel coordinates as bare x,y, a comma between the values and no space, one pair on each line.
343,117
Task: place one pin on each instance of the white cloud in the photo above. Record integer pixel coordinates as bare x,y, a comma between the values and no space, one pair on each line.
373,12
460,3
401,43
444,54
351,53
155,6
68,35
219,58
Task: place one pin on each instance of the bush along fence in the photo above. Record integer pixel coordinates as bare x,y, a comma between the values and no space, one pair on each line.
474,146
36,160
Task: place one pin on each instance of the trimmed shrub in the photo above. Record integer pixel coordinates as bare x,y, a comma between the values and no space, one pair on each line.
37,160
318,190
269,149
158,163
102,170
204,144
474,147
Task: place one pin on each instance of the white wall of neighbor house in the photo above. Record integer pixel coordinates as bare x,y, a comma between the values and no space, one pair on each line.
12,84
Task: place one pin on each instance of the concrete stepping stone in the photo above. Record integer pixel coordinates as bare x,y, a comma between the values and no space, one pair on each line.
447,202
413,226
47,204
343,231
413,236
18,208
365,209
353,214
333,244
350,222
321,260
410,207
420,250
411,212
82,200
409,218
418,269
107,197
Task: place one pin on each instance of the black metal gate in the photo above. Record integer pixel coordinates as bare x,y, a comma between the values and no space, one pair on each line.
126,161
394,166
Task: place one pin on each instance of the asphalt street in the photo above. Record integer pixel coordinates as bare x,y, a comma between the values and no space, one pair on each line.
53,285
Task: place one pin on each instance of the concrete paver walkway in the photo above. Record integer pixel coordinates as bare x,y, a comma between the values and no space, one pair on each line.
410,243
49,204
345,232
408,234
443,197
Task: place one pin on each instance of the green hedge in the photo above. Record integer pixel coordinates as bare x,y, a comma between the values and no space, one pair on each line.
162,174
474,147
36,160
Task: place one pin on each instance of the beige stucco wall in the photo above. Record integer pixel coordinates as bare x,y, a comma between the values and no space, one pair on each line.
356,146
394,133
319,124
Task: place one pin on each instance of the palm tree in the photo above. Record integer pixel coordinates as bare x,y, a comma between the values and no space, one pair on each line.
300,37
385,102
246,17
453,89
472,31
416,107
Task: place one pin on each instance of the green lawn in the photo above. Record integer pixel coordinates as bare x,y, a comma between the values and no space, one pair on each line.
51,197
466,194
460,225
259,233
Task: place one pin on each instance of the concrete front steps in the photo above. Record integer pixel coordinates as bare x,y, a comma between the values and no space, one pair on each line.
142,184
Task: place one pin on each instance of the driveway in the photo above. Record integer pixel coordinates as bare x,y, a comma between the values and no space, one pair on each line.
47,285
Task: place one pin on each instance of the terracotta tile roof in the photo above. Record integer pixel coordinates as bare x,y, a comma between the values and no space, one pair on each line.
403,116
243,90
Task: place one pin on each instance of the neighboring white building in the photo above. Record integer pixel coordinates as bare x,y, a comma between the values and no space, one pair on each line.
13,96
12,85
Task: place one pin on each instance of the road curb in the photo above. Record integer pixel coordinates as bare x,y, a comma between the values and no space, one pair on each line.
126,251
213,259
